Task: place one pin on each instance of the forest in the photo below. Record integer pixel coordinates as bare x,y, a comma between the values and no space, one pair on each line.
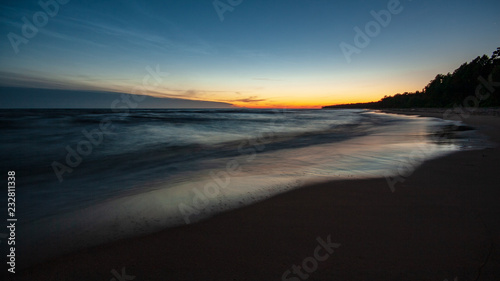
476,83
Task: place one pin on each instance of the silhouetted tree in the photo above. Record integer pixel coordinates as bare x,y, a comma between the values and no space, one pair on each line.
447,90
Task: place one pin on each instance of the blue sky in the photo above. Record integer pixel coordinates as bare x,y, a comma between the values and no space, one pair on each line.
262,54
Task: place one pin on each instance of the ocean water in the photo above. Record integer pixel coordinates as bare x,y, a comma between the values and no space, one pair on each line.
86,177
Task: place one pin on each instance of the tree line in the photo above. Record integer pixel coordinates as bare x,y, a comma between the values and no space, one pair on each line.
448,90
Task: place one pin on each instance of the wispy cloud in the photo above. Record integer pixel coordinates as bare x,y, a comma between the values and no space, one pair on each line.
266,79
248,100
108,32
251,53
34,79
102,30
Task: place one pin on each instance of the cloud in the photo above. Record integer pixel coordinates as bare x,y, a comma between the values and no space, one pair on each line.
89,27
136,34
36,80
249,99
251,53
267,79
16,97
190,93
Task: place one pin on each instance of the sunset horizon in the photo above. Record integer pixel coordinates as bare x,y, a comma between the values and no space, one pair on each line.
242,140
315,55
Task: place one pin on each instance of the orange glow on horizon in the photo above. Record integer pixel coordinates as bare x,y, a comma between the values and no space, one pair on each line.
299,105
313,94
284,98
280,106
291,102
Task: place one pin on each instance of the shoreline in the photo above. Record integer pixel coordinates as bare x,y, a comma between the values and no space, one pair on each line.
440,223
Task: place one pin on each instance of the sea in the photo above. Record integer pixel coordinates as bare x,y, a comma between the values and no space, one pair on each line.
90,176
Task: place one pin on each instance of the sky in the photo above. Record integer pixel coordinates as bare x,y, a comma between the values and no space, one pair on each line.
244,53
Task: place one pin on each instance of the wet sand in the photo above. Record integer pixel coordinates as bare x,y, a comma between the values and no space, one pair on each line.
441,222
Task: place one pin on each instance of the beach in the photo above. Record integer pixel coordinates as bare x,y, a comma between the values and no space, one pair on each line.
440,222
250,140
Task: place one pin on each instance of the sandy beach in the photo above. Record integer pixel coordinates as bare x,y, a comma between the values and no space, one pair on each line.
237,140
441,222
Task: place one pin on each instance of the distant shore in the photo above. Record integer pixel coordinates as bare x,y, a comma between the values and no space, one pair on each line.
443,112
441,222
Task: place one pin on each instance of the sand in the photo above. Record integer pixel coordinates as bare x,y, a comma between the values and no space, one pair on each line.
441,222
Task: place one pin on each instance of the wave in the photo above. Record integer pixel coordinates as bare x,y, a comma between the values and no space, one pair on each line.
149,172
